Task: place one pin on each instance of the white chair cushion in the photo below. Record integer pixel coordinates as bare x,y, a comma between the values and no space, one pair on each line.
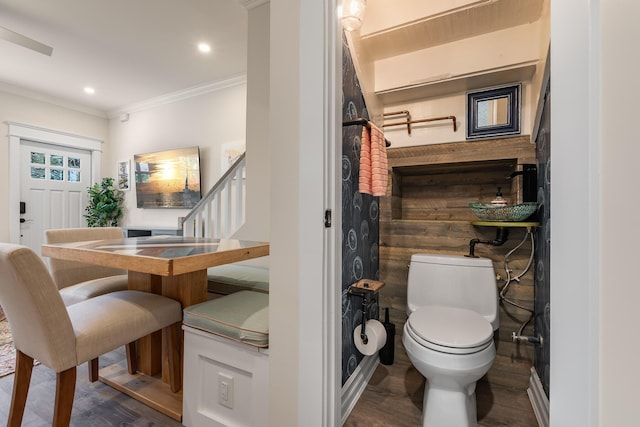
117,318
83,291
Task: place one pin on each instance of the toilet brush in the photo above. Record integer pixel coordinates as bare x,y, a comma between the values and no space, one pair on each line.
387,352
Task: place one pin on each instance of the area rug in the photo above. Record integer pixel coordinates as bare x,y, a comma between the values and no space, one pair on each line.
7,351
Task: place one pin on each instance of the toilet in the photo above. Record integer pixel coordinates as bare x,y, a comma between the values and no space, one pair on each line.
452,304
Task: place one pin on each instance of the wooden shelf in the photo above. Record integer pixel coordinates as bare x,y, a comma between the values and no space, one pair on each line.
151,391
457,84
368,285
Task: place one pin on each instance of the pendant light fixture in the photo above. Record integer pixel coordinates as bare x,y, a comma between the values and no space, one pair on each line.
352,14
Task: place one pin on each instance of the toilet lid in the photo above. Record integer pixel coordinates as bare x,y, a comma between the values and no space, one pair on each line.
450,327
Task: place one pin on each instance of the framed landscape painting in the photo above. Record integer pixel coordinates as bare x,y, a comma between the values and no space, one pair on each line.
168,179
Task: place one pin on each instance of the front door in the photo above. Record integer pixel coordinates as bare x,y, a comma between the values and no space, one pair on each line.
53,188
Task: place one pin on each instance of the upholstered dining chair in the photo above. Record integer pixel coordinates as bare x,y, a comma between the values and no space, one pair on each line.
78,281
62,337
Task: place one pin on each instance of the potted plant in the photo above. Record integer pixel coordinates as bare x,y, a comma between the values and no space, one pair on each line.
105,204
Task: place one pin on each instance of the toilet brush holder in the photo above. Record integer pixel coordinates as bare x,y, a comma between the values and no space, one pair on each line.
388,351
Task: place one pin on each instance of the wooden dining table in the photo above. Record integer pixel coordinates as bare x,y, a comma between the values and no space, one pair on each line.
173,266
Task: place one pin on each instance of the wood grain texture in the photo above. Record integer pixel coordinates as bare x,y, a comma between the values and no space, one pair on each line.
394,394
158,266
149,390
519,147
65,389
149,347
150,256
174,268
427,211
96,404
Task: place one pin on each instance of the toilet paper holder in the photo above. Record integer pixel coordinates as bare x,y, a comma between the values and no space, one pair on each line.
365,289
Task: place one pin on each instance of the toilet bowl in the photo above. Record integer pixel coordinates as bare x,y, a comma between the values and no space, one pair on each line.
452,348
449,333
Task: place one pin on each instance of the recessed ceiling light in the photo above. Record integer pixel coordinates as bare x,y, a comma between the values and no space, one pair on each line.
204,47
89,90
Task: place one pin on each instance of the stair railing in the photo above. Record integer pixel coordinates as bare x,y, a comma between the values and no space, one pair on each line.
221,212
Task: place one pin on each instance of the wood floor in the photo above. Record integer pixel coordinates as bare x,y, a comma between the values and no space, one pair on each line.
95,404
393,397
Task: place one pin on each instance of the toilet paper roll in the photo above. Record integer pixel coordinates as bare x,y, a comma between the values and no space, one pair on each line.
376,335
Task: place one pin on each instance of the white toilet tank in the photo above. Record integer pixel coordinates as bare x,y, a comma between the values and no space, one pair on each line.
453,281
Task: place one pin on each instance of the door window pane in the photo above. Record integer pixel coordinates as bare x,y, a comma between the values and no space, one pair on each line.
74,163
37,158
74,176
60,167
57,175
37,173
56,160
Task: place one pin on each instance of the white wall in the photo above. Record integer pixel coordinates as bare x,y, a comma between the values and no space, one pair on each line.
378,19
30,111
285,250
470,56
620,153
595,292
258,201
303,298
440,62
207,120
577,224
439,132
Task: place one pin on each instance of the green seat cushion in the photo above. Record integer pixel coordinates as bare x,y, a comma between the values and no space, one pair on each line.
229,278
242,316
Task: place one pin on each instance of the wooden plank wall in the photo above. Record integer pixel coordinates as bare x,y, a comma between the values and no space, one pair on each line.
426,211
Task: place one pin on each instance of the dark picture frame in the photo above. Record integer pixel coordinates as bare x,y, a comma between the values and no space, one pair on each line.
494,112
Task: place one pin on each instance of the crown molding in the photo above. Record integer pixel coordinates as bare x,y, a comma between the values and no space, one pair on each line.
40,97
179,96
250,4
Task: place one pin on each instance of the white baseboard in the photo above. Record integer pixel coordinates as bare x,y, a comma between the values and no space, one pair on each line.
538,398
356,383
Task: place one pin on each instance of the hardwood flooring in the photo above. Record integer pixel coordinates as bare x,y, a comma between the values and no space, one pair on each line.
393,397
95,404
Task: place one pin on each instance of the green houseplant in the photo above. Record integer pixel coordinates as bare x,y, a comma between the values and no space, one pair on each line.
105,204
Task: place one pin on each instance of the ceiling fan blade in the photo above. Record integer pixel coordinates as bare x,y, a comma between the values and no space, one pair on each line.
24,41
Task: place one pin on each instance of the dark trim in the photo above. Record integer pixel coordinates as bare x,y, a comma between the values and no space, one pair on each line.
512,127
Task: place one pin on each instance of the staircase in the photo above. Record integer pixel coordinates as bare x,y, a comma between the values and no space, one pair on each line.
221,212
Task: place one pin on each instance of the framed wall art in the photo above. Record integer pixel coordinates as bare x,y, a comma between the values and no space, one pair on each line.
124,174
168,179
493,112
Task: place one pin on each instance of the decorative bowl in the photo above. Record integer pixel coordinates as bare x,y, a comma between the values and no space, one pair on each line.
489,212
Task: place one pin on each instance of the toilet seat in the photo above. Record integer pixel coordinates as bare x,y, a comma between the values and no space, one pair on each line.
450,330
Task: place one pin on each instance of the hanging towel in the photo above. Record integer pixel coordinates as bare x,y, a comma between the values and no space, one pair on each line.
373,162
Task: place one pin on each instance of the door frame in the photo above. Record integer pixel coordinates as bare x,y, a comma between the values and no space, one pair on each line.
19,132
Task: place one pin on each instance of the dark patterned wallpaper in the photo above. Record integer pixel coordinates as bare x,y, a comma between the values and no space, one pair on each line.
360,225
543,246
